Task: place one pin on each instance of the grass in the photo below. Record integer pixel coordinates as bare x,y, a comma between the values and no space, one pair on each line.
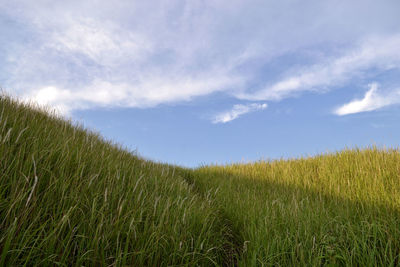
339,209
69,197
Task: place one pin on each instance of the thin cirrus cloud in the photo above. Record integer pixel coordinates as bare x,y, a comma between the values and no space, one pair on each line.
77,55
382,54
237,111
372,100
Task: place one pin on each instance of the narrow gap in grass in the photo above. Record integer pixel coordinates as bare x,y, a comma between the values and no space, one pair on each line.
233,245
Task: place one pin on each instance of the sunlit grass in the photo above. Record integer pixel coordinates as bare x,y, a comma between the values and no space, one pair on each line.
341,208
69,197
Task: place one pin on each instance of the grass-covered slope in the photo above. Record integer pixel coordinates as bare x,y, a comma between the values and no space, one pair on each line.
70,198
340,209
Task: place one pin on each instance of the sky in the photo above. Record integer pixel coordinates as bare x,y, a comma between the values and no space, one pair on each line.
211,82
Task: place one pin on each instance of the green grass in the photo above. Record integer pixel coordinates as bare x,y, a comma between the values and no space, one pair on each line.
340,209
69,197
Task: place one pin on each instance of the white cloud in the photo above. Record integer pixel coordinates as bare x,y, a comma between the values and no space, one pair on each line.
86,54
237,111
148,92
380,53
372,100
90,62
51,96
103,43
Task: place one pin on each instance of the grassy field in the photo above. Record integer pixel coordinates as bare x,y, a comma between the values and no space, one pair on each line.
340,209
69,197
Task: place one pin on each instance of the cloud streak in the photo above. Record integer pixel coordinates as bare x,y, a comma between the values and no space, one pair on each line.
149,92
372,100
237,111
379,53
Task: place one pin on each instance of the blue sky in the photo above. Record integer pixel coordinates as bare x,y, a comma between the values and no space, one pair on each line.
199,82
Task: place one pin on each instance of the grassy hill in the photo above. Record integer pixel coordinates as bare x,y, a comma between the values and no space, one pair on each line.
69,197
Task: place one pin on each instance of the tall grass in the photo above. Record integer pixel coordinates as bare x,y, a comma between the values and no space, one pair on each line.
340,209
69,197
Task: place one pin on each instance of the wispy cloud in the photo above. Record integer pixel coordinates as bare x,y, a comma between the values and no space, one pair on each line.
237,111
78,55
372,100
378,53
103,43
86,61
149,92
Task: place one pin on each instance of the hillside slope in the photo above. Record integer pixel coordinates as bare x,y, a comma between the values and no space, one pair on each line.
340,209
68,197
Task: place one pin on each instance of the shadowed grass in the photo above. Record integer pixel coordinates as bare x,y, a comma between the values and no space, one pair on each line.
68,197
